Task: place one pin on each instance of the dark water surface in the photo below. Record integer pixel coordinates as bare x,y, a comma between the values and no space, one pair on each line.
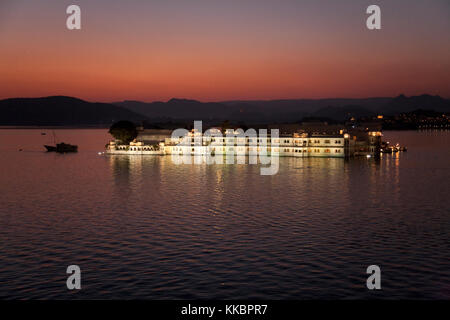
143,227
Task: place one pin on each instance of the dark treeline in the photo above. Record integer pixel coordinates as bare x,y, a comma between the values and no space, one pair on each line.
398,113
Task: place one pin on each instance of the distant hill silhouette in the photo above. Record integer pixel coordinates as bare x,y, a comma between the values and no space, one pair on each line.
245,111
60,110
424,102
343,113
257,111
178,109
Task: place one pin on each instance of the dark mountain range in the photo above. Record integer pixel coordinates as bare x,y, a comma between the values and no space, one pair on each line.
72,111
178,109
344,113
312,105
255,111
424,102
59,110
251,111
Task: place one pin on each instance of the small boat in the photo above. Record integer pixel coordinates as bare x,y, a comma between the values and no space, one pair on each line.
50,148
62,148
392,149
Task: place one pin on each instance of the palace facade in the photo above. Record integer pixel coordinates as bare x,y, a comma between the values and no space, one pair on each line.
298,144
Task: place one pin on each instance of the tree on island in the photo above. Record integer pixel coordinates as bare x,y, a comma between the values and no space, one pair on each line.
124,131
225,125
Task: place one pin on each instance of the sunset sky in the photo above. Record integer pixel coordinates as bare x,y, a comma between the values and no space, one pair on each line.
223,50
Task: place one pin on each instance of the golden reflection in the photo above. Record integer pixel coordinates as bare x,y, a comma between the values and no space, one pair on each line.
120,172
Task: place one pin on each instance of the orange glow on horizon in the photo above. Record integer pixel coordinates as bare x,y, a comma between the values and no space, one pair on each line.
150,58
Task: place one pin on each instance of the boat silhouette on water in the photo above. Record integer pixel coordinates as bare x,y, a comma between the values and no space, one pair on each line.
61,147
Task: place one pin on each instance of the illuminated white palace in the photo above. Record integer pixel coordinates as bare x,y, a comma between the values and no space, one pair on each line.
236,143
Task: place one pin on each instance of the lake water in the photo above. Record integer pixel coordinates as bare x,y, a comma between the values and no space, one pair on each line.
143,227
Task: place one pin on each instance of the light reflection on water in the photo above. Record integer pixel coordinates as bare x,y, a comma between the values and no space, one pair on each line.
143,227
